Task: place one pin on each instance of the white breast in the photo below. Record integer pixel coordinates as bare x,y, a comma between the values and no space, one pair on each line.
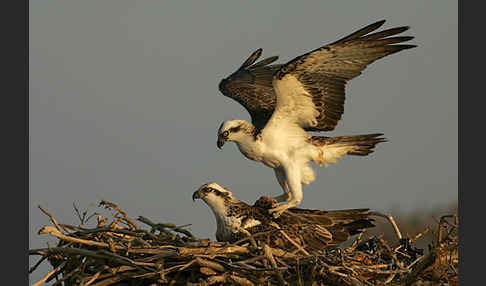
232,224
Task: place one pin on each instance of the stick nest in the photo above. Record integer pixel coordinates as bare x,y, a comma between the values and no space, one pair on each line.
117,251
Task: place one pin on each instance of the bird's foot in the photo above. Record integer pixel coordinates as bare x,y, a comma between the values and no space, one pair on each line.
278,211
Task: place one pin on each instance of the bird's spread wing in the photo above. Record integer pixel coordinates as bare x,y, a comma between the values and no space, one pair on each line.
310,88
251,86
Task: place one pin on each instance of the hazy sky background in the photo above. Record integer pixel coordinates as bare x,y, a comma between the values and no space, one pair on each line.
124,105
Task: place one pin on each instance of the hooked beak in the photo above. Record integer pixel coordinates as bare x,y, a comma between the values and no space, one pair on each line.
221,141
196,195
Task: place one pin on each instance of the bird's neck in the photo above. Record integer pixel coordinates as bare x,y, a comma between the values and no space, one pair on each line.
227,219
249,143
218,208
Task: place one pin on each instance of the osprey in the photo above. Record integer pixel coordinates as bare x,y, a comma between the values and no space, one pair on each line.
285,101
311,230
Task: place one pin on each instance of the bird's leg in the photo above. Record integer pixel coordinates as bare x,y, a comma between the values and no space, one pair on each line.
277,211
283,197
287,195
295,187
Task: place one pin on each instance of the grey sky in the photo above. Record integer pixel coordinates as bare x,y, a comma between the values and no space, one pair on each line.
124,105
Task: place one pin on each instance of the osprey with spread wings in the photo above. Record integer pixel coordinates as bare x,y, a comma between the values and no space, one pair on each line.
285,101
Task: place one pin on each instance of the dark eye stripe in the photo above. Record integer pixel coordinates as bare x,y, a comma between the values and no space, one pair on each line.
218,193
235,129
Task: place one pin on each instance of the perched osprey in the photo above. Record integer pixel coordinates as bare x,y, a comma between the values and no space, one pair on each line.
286,101
313,230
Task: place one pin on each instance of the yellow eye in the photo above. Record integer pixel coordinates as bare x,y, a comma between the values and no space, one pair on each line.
225,134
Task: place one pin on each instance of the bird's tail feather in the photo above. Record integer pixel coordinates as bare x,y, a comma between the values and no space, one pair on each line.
332,148
358,226
353,220
348,215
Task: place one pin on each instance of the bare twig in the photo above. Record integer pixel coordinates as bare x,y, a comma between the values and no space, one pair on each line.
268,254
125,217
37,264
50,274
300,248
391,220
91,279
53,220
55,232
250,237
162,226
80,217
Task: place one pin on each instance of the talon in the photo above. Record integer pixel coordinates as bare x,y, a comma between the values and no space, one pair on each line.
276,212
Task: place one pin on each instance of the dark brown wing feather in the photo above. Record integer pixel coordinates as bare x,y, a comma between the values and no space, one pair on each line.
251,86
324,72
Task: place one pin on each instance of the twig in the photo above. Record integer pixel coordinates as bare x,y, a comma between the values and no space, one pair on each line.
268,254
125,217
50,274
391,220
419,235
240,280
426,262
114,279
161,226
81,218
210,264
290,239
91,279
255,235
53,220
176,277
414,262
37,264
66,276
299,274
55,232
84,252
213,280
250,237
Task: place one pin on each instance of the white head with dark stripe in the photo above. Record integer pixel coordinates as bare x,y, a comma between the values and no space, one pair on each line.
215,196
226,209
234,130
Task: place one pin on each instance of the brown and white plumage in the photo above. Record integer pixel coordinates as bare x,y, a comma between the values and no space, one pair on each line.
305,94
313,230
323,73
251,86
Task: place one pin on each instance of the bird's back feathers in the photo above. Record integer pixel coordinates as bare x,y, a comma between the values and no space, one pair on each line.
313,230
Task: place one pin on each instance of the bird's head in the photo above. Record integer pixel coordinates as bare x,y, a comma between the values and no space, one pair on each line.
232,130
215,196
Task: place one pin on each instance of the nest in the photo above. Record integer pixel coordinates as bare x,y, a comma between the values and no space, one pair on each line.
118,251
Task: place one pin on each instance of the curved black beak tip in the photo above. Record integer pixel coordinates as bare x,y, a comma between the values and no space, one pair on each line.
196,195
220,142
